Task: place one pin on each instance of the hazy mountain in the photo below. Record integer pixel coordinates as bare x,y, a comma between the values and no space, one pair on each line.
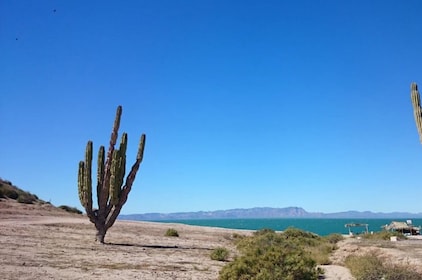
266,212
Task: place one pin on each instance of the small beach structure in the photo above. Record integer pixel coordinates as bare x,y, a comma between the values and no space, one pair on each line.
406,228
356,225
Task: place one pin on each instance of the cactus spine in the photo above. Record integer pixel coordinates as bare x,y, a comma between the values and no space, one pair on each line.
417,110
112,190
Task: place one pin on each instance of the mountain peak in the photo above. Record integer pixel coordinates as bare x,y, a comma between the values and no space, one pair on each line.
265,212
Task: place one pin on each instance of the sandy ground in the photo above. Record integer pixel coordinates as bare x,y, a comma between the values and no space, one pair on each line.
40,242
46,244
403,252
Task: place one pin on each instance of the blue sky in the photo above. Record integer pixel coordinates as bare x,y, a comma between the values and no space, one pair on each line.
244,103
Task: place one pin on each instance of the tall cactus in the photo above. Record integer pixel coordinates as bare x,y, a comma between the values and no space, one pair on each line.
417,110
112,190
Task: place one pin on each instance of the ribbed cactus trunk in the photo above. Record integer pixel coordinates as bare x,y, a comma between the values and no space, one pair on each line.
417,110
112,189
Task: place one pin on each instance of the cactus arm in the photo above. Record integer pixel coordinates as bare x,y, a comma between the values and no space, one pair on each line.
131,176
104,194
84,179
141,148
100,171
122,159
88,178
84,182
81,184
111,217
118,171
417,110
114,184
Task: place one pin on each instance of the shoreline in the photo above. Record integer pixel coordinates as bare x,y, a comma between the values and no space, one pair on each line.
319,226
43,242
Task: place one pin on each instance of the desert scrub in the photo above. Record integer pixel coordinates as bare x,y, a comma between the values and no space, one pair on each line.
269,255
367,267
383,235
220,254
26,197
334,238
6,192
319,248
70,209
237,235
172,232
5,182
373,267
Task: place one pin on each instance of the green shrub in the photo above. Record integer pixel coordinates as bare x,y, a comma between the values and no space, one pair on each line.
302,237
26,197
220,254
372,267
7,190
269,255
70,209
334,238
298,233
383,235
237,236
172,232
9,193
366,267
264,231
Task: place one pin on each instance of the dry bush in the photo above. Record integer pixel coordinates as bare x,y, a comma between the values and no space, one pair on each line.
372,266
220,254
172,232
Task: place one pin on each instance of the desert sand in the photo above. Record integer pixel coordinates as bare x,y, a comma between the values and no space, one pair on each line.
41,242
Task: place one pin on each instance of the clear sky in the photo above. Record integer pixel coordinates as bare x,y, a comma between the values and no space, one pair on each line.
244,103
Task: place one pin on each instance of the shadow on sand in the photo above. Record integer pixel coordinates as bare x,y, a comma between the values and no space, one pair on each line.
156,246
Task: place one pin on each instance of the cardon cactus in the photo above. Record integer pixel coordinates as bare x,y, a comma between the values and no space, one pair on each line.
417,110
112,189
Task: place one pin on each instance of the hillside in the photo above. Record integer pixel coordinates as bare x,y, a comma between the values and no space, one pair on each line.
15,202
9,191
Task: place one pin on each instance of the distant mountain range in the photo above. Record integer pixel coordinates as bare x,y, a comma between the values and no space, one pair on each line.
268,212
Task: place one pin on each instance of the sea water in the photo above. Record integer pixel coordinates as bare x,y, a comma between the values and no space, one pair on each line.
319,226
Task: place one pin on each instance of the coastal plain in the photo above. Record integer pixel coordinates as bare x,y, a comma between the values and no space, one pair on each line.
43,242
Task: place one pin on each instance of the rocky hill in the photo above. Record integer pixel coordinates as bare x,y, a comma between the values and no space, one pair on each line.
15,201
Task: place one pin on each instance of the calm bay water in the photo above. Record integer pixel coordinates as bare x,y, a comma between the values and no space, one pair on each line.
318,226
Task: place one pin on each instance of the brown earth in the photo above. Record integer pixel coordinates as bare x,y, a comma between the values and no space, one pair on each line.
42,242
402,252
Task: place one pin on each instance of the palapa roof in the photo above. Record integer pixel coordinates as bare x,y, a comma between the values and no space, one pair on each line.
397,226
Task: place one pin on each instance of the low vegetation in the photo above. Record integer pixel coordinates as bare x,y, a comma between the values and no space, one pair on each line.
293,254
334,238
8,190
70,209
220,254
372,266
172,232
383,235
